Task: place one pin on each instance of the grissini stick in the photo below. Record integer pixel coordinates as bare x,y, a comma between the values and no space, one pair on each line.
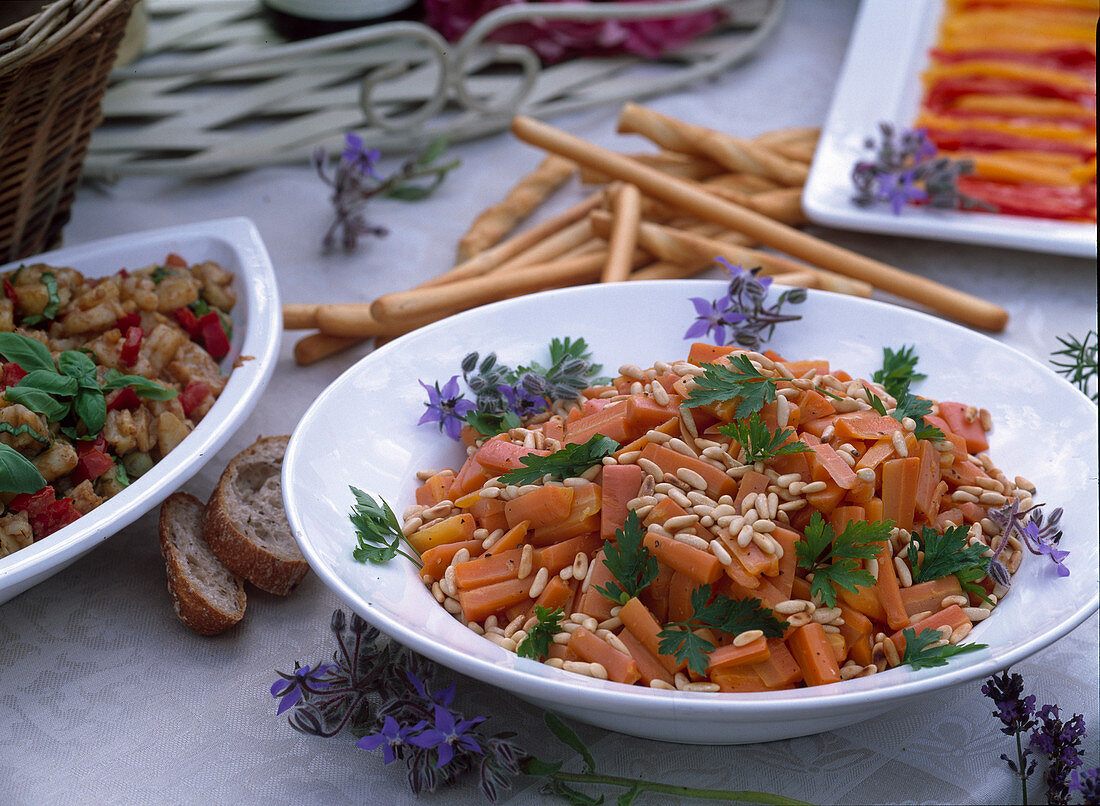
950,302
553,247
354,319
622,235
732,152
311,349
299,316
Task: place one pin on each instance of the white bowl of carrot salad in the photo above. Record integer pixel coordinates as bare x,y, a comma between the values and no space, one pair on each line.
708,544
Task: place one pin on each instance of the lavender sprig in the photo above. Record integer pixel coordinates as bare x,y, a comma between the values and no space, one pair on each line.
355,180
1059,742
906,171
742,310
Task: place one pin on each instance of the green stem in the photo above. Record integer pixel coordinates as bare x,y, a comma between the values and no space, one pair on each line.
1023,772
728,795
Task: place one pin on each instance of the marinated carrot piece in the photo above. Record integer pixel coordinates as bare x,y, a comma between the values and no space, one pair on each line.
561,651
788,563
583,517
670,461
655,596
679,596
861,651
899,490
450,530
702,566
644,413
498,456
701,353
609,421
753,559
620,484
435,489
952,617
963,420
815,405
828,499
964,473
863,492
863,600
620,666
558,555
489,514
487,570
780,669
928,479
663,510
971,512
949,517
471,476
480,603
856,626
815,426
814,654
826,458
437,559
751,482
927,595
876,454
543,506
868,425
874,509
670,427
591,602
888,591
649,667
557,593
799,368
637,619
750,654
840,517
511,539
736,572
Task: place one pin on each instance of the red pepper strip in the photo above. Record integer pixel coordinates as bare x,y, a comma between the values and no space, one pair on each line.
193,394
127,321
131,346
1037,201
13,374
57,515
188,321
980,140
91,464
214,338
1014,119
9,291
1077,60
124,398
944,91
32,503
175,260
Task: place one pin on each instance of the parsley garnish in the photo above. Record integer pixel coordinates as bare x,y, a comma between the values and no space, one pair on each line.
946,554
920,656
159,274
536,645
629,561
732,616
909,405
737,379
377,530
875,401
53,304
489,425
898,370
834,560
759,441
572,460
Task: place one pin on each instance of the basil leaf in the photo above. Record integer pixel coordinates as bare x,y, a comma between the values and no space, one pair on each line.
52,306
91,408
8,428
17,474
37,401
139,383
49,382
77,365
30,354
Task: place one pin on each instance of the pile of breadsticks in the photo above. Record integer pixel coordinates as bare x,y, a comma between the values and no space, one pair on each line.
662,214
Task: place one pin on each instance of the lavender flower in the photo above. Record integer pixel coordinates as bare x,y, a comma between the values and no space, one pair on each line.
742,310
446,406
360,158
1058,741
447,733
1015,712
288,690
1087,784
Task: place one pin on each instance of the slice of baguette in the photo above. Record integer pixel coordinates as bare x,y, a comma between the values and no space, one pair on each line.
245,523
207,596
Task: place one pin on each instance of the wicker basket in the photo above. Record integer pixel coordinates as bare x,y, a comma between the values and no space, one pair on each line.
54,70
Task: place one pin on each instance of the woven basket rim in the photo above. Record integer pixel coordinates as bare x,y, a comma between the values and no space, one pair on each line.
58,23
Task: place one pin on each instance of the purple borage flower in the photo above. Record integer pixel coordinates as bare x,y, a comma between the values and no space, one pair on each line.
1041,536
359,158
446,406
289,689
447,733
391,736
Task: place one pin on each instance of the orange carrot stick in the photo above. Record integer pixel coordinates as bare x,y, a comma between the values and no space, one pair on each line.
620,666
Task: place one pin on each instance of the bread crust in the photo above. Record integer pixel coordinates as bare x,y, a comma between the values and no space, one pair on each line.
230,522
195,604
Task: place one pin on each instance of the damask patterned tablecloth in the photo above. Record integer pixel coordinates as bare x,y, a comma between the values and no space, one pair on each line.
106,698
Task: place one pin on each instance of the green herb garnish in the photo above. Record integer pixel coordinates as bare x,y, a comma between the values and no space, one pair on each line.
898,370
159,274
1078,362
570,461
835,560
378,532
17,473
629,561
739,380
760,442
536,645
52,305
948,554
722,613
909,405
920,655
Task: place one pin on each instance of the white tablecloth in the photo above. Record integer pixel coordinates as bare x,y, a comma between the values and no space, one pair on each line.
106,698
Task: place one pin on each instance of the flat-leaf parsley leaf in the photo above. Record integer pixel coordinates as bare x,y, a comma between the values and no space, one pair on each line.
835,560
377,530
738,379
570,461
759,441
629,561
920,655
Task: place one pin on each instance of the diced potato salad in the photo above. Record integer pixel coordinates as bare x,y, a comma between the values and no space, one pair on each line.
708,551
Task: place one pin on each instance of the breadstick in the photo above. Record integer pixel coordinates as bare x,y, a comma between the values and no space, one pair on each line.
311,349
565,239
298,316
732,152
784,205
623,234
950,302
354,319
687,166
531,191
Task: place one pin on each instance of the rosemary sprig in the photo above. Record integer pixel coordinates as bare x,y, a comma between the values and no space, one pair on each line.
1077,362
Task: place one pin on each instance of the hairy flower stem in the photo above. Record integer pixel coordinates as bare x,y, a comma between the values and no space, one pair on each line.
728,795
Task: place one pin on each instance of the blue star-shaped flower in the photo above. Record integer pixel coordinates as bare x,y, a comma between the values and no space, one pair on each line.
447,407
446,734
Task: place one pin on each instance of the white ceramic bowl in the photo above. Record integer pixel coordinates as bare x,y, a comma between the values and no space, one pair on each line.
362,431
235,244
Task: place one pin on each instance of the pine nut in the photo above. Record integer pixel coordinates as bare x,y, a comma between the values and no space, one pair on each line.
526,561
719,551
790,606
541,578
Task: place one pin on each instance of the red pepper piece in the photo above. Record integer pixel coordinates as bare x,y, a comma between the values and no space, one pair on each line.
9,291
127,321
193,394
91,464
32,503
124,398
13,374
57,515
188,321
175,260
131,346
214,338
